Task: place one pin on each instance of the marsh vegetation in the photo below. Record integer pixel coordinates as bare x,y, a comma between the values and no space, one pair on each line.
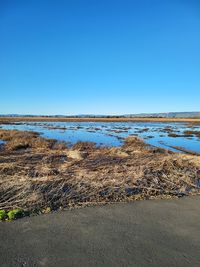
160,134
39,174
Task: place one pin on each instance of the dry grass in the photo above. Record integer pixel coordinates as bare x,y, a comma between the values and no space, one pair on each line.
192,133
193,121
22,140
41,173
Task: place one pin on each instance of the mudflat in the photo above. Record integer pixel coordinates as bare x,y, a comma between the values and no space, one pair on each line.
141,233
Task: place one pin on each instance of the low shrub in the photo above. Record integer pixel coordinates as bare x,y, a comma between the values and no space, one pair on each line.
15,214
3,215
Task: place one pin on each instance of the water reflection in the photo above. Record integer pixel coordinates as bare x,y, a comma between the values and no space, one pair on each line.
113,133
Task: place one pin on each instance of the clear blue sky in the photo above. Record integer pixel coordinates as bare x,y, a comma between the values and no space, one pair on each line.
99,56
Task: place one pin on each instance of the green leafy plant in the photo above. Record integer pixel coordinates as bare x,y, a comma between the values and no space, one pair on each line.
3,215
15,214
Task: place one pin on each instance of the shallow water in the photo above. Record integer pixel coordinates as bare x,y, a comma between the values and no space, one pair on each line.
113,133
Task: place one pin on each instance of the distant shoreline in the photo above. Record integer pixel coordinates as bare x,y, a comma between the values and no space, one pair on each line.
95,119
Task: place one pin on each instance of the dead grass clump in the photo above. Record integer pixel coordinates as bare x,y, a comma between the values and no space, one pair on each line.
8,135
42,143
84,146
17,140
134,142
192,133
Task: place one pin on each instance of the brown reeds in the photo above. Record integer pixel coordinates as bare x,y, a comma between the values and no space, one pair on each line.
37,173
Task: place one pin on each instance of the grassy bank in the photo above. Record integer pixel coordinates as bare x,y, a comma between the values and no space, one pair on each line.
97,119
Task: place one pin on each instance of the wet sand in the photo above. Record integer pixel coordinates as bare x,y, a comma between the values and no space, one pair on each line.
141,233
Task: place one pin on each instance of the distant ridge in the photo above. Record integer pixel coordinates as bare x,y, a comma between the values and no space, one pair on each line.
195,114
166,115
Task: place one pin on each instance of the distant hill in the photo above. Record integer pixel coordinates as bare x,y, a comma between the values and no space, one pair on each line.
195,114
166,115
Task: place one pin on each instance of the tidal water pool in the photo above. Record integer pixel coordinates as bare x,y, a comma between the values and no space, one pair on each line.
170,136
